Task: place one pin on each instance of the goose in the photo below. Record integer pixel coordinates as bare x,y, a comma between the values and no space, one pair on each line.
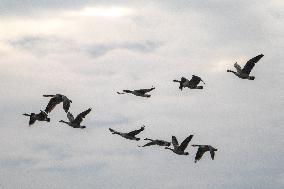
139,92
244,73
156,142
75,123
42,116
202,149
130,135
179,149
192,83
57,99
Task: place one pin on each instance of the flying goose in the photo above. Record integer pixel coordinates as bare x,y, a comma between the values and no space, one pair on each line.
202,149
75,123
130,135
156,142
42,116
244,73
57,99
192,83
179,149
139,92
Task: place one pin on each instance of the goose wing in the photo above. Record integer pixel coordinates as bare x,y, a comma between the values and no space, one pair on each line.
195,80
199,154
183,80
250,64
238,67
70,117
174,142
32,120
52,103
82,115
143,91
66,103
184,144
135,132
212,153
149,144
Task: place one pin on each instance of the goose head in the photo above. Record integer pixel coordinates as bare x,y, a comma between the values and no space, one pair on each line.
48,119
83,127
186,153
137,139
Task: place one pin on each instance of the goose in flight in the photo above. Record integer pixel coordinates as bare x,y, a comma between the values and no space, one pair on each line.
179,149
156,142
192,83
75,123
130,135
202,149
42,116
57,99
244,73
139,92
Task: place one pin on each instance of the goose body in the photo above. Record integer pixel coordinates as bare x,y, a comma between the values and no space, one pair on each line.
130,135
139,92
202,149
76,123
245,72
179,149
192,83
42,116
57,99
156,142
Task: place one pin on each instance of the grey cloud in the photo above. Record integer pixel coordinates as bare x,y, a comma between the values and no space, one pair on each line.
45,45
243,119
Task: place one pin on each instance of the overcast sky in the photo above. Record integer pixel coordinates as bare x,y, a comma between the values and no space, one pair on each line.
88,50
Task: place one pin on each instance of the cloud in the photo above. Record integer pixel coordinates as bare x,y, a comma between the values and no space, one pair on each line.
90,58
45,45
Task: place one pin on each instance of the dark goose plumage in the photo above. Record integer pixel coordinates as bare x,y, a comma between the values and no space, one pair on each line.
57,99
75,123
202,149
192,83
245,72
130,135
179,149
42,116
139,92
156,142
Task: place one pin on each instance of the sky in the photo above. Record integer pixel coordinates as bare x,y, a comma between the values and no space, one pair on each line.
89,50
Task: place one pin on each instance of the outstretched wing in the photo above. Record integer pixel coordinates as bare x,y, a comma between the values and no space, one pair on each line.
250,64
174,141
212,154
143,91
238,67
66,103
70,117
51,104
199,154
195,80
149,144
136,132
184,144
82,115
